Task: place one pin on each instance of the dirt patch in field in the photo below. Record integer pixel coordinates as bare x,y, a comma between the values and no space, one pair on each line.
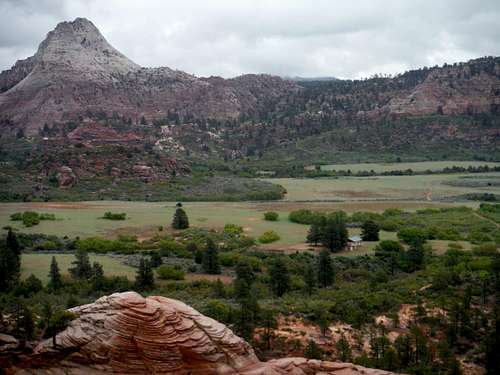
226,279
289,249
354,194
142,233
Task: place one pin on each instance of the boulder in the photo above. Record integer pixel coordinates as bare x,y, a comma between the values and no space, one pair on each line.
66,178
125,333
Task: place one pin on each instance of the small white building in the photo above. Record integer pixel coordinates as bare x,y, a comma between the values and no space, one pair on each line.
354,242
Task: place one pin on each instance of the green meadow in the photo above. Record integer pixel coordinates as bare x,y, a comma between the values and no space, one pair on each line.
415,166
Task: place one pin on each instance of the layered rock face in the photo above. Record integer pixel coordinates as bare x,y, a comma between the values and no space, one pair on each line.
127,334
76,71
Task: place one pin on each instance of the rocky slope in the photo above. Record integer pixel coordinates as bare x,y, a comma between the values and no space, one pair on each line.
127,334
76,72
76,78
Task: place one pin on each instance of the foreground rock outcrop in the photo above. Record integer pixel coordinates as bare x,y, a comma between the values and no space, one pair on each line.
127,334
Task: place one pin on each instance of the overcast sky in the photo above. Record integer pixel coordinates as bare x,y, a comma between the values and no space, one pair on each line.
312,38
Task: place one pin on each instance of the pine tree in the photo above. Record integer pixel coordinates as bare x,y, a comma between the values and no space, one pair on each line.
244,279
314,235
313,351
325,269
25,324
156,260
369,231
279,277
269,323
219,289
58,322
13,243
180,220
10,263
82,269
415,256
55,281
97,277
246,317
144,279
310,278
344,352
210,262
334,233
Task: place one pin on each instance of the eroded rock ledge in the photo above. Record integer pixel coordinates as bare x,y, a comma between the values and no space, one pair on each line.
125,333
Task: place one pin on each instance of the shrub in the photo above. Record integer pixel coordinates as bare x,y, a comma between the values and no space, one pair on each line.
304,216
486,249
271,216
233,229
47,217
114,216
412,235
166,272
269,236
31,218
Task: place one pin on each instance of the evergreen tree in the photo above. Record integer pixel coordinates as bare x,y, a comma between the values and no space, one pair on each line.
144,279
279,277
58,322
30,286
334,233
55,281
324,320
325,269
344,352
13,243
180,220
247,315
219,289
415,256
10,263
198,256
369,231
210,262
244,279
25,324
310,278
97,279
492,345
314,235
156,260
313,351
269,323
82,269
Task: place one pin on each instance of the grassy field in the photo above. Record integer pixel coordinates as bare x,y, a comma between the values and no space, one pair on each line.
39,264
83,218
381,187
415,166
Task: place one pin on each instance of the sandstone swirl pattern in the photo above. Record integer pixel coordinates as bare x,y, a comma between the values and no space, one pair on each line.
125,333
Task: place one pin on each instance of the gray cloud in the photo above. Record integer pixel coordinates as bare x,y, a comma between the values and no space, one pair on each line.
347,39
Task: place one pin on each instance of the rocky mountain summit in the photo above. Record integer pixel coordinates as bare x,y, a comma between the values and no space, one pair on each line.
77,72
125,333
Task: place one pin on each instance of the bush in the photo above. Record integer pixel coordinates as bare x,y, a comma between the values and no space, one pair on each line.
233,229
102,245
31,218
166,272
269,236
412,235
486,249
114,216
304,216
271,216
